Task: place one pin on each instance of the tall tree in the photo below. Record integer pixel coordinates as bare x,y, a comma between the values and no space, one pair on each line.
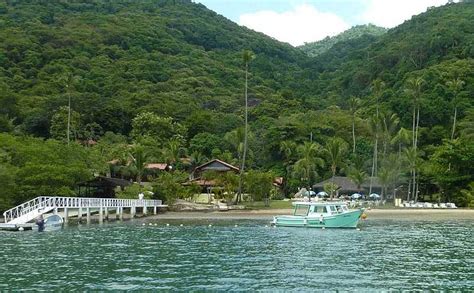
247,56
335,150
374,125
414,88
308,162
455,86
138,158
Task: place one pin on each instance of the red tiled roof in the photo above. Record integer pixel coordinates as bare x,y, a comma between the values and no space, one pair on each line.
159,166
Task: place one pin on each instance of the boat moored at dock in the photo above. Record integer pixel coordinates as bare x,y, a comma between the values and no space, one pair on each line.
320,215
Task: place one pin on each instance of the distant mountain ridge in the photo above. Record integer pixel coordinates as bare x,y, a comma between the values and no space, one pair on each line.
314,49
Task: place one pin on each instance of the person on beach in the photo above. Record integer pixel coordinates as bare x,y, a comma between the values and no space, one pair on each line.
40,222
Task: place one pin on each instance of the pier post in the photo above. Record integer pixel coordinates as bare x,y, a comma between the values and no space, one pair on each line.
117,211
121,213
79,214
55,211
154,210
132,212
106,213
66,215
144,209
101,214
88,215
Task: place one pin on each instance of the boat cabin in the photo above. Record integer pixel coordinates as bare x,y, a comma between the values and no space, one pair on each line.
318,209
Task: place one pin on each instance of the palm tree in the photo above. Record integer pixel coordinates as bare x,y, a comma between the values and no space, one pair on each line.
374,124
411,158
358,177
172,151
354,104
335,151
414,87
389,126
247,56
455,86
309,161
68,80
377,87
138,158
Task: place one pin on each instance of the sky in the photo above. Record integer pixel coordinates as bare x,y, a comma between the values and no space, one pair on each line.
300,21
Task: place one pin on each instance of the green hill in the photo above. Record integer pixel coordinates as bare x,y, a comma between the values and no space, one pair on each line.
317,48
168,75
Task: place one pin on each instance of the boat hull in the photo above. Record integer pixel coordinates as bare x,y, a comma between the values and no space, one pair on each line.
345,220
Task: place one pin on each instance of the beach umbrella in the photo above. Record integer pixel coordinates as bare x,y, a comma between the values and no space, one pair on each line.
356,196
322,194
309,193
374,196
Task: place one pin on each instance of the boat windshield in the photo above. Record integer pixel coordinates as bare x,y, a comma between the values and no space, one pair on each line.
319,209
301,210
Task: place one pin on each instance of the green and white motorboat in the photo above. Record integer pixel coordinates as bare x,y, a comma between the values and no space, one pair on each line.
320,215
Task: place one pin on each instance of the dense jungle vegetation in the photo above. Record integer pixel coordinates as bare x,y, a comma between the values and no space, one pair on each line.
314,49
163,81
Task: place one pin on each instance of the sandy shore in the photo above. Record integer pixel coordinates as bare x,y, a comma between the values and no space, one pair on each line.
427,214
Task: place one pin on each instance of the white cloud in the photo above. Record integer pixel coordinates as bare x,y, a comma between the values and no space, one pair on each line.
392,13
304,23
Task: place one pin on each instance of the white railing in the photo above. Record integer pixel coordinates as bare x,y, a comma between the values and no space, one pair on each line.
47,203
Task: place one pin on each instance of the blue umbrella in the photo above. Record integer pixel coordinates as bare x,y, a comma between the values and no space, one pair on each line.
322,194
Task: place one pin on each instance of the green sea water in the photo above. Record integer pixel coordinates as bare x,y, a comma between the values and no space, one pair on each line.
384,255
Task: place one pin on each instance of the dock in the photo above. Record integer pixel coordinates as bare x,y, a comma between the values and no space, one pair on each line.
22,215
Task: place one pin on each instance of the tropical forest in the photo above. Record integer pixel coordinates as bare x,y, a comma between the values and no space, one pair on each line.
101,87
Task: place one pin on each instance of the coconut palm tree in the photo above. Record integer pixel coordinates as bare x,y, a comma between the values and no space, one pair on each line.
414,88
374,125
377,88
247,56
389,124
455,86
308,162
354,104
358,177
68,81
335,150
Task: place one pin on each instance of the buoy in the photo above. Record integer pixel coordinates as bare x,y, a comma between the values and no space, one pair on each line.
358,229
210,225
181,225
236,226
150,224
156,224
143,224
324,228
364,216
21,229
266,226
167,225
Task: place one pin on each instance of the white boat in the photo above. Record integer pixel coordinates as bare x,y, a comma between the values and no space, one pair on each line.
51,223
320,215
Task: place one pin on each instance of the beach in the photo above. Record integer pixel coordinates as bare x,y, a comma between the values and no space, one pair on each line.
395,214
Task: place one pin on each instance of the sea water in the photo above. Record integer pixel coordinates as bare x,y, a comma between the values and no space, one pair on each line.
223,255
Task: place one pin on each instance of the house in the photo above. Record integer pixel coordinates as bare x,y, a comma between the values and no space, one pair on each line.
347,186
214,165
100,186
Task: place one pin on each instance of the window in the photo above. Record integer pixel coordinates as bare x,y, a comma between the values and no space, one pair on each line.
301,210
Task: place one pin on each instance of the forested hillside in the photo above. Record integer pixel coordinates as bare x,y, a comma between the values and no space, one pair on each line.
164,81
359,31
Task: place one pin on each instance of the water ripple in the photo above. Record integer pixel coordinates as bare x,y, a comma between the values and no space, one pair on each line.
385,255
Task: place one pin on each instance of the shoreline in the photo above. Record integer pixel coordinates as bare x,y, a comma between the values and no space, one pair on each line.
268,214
